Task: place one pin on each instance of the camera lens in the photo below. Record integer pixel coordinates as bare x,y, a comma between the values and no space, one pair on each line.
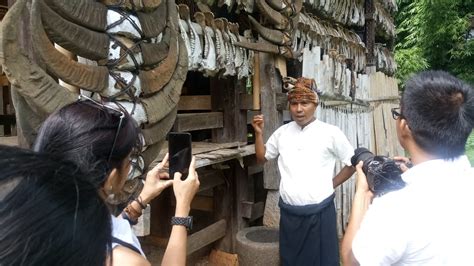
383,175
361,154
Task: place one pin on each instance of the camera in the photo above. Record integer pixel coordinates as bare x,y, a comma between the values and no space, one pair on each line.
383,174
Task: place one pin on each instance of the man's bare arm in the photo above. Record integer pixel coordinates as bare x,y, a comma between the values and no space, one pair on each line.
343,175
260,150
360,204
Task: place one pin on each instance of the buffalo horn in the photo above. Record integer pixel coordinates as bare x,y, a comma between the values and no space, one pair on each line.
293,9
92,78
153,23
271,35
133,5
268,48
154,53
159,104
28,78
77,39
153,80
259,46
278,20
278,5
156,132
90,14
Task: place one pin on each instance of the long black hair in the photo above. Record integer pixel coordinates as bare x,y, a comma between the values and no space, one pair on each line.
84,132
50,214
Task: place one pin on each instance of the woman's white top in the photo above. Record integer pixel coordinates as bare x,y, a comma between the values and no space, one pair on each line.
122,230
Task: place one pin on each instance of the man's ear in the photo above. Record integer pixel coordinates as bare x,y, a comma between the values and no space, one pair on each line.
404,129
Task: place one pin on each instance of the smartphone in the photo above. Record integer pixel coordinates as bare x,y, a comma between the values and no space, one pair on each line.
180,153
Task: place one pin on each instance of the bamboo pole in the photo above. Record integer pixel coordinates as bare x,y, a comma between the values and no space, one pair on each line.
256,82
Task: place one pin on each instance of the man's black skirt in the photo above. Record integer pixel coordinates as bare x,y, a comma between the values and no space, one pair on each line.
308,234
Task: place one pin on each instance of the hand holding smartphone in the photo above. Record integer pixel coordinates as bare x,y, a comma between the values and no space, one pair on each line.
180,153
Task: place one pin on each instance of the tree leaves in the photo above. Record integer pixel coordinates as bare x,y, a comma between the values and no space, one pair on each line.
433,34
470,148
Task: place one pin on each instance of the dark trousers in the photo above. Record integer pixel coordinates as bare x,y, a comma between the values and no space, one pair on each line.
308,234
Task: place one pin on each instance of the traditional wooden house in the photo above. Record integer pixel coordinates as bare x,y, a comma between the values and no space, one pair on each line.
207,67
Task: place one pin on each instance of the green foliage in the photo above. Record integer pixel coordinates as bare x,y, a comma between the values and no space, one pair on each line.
432,34
470,149
409,60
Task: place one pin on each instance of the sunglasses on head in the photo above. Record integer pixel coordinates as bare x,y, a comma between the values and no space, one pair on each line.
136,159
119,112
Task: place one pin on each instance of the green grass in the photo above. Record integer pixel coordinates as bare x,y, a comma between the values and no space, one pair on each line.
470,148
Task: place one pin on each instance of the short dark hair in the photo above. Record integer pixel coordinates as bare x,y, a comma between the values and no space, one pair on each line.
83,132
439,110
50,214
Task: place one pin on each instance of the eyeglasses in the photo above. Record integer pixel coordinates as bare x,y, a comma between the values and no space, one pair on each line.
396,113
137,166
118,111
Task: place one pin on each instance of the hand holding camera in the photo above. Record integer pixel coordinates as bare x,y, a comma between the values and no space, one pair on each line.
383,174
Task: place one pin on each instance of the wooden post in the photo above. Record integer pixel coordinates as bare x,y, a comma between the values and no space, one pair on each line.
227,204
241,195
223,209
270,86
225,96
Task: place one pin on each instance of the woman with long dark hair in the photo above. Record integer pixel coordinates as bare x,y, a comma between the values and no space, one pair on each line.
50,214
105,139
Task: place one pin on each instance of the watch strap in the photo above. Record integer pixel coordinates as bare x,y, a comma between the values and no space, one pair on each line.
184,221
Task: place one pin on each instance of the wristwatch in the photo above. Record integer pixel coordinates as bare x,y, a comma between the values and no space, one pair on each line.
184,221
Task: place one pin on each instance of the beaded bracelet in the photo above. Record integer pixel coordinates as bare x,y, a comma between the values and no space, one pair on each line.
132,212
140,202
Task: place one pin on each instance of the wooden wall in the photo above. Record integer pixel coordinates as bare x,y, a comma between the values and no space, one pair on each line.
370,126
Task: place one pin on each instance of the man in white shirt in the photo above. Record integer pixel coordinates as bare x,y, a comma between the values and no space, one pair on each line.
430,220
307,150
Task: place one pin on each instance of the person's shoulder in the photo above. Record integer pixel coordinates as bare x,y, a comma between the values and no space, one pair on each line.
330,129
325,125
124,256
392,201
290,124
285,127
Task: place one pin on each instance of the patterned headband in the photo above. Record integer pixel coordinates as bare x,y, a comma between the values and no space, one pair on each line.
304,90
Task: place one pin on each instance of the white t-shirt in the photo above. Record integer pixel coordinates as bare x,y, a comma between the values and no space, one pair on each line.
122,230
429,222
306,160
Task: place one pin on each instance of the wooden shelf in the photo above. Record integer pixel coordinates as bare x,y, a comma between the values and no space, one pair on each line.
198,121
9,141
211,153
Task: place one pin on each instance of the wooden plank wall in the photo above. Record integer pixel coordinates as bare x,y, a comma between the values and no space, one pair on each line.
370,126
383,91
